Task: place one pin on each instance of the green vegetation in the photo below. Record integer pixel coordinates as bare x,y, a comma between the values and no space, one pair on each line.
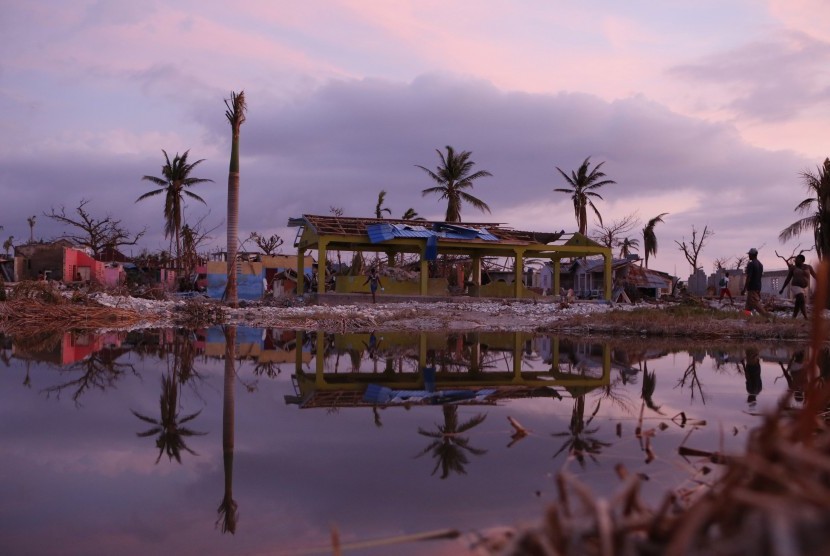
453,176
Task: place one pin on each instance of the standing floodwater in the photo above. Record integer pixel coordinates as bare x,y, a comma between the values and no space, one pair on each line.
124,442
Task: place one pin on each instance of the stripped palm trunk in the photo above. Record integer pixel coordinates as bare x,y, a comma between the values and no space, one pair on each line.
236,116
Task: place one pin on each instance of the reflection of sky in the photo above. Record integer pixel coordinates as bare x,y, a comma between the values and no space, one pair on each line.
75,478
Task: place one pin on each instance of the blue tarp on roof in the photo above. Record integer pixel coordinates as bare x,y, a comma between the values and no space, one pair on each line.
379,233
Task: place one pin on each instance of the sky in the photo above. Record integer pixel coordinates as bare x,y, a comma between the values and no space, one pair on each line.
708,111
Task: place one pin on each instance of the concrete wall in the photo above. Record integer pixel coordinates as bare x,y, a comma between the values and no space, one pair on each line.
248,278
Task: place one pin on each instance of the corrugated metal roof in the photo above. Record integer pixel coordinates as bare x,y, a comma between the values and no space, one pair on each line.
381,232
343,225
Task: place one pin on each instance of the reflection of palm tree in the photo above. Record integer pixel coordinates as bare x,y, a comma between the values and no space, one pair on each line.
448,447
649,384
579,442
228,509
171,433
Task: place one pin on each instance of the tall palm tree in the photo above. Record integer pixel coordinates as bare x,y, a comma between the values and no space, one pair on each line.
818,185
379,208
8,244
453,177
583,186
31,221
236,117
173,184
448,447
649,237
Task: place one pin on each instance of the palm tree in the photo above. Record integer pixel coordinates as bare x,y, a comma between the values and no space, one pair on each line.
453,176
236,117
627,245
173,184
8,244
379,208
448,446
410,214
649,238
818,185
31,221
583,185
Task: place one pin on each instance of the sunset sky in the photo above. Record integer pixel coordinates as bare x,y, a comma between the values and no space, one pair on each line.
705,110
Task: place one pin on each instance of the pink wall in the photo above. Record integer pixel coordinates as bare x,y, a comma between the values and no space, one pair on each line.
75,261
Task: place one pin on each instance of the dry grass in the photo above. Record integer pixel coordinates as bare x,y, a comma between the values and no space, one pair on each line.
37,308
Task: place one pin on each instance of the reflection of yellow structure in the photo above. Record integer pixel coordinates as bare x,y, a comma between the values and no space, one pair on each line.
588,369
259,353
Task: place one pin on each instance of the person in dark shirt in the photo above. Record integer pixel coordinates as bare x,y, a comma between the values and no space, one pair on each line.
752,286
374,283
800,275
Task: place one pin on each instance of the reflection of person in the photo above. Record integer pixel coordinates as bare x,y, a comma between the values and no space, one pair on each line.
796,375
752,372
724,289
800,275
752,287
374,283
372,346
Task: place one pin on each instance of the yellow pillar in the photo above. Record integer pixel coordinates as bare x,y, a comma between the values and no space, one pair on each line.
518,270
319,357
424,274
557,269
517,357
608,277
476,275
300,271
321,267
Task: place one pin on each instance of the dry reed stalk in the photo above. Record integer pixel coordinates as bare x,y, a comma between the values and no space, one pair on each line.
27,316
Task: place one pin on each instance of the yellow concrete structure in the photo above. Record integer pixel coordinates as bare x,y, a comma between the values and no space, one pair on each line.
337,233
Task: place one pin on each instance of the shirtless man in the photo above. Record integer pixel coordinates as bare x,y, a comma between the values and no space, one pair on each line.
799,274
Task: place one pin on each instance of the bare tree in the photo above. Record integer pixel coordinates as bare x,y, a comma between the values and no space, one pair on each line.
336,211
613,234
96,234
740,261
721,263
268,245
789,260
692,250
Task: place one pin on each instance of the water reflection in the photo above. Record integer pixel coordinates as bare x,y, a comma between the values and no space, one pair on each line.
228,508
449,448
313,448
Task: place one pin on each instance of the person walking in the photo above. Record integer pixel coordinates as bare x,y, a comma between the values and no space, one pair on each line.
724,289
374,283
752,286
799,274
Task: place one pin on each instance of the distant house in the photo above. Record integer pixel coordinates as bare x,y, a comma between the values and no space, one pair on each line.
586,278
771,281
